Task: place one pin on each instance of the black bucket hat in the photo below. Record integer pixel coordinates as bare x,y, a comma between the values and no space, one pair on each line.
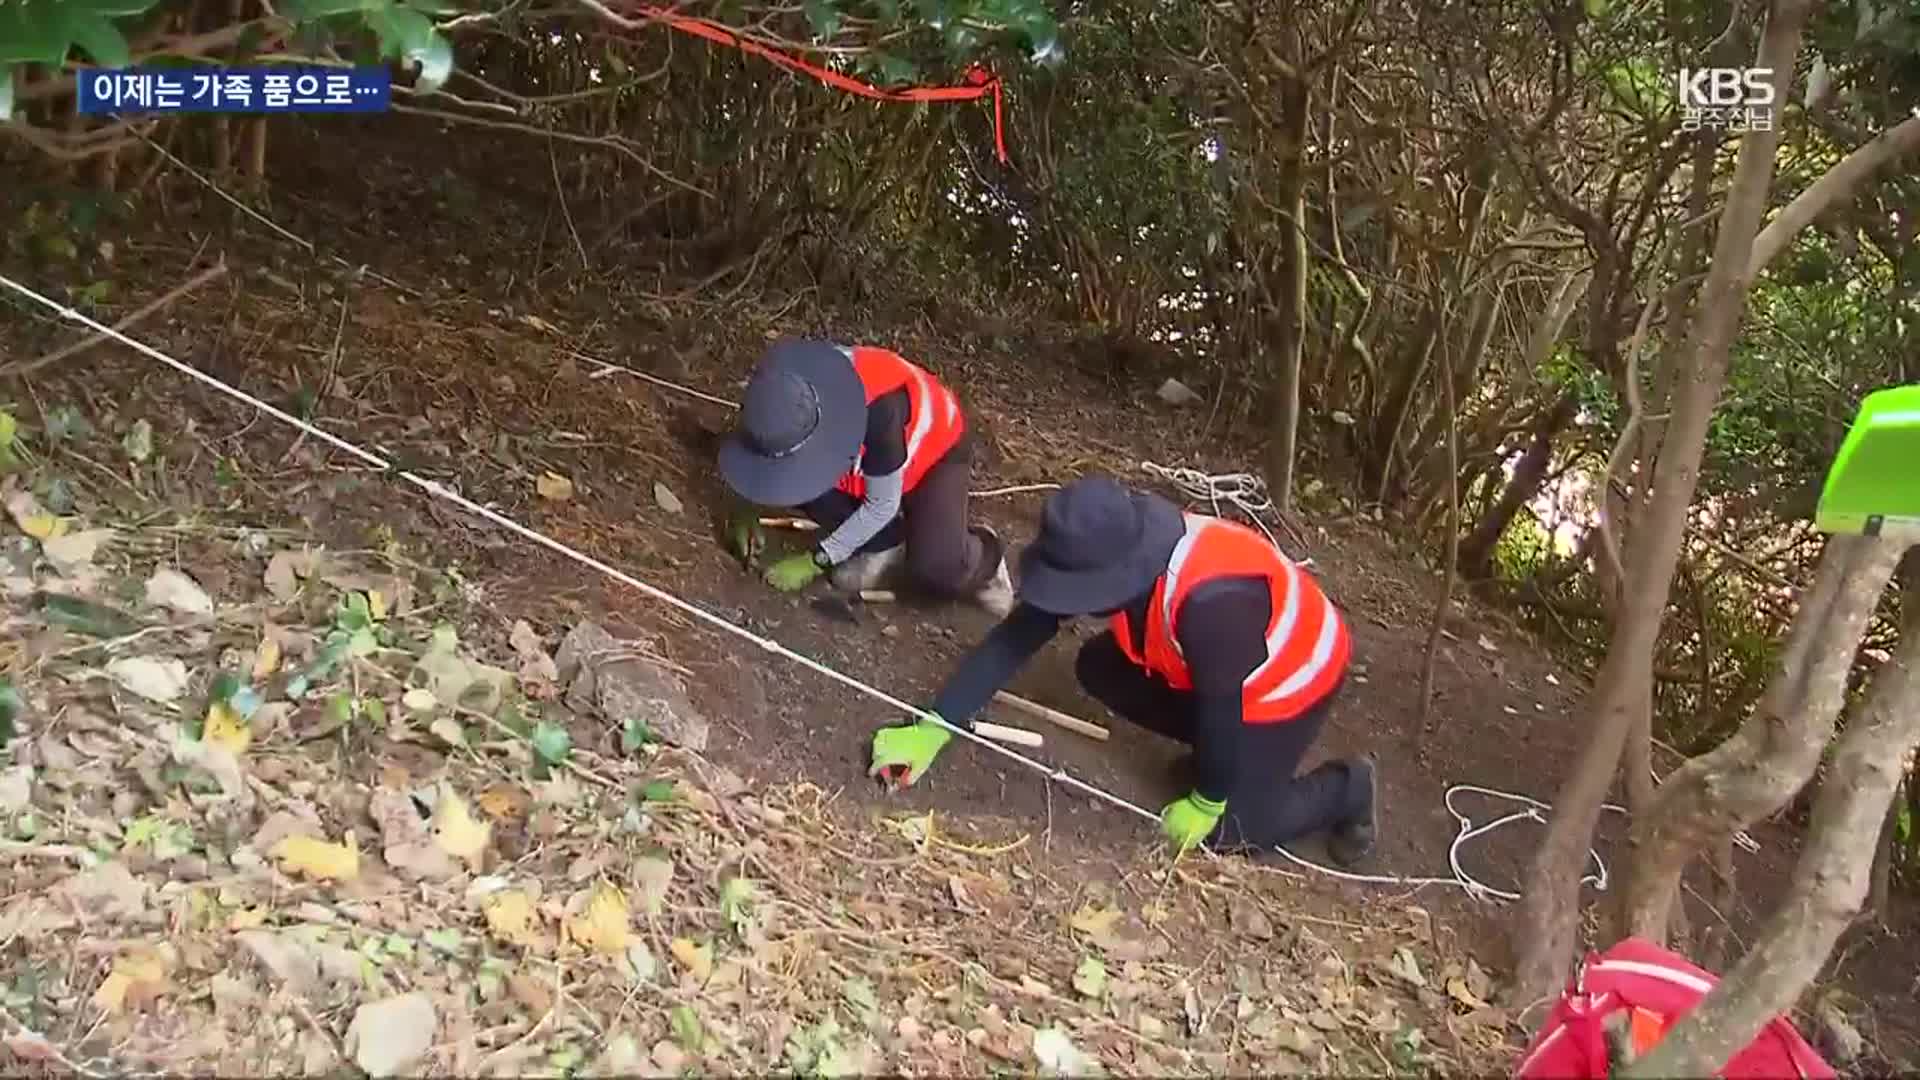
802,420
1100,546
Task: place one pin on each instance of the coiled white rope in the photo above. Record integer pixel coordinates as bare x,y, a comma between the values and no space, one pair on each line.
1246,492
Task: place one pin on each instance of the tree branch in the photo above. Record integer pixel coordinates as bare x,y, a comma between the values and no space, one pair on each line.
1835,184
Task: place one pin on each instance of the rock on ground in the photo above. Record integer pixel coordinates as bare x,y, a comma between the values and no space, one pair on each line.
388,1036
602,675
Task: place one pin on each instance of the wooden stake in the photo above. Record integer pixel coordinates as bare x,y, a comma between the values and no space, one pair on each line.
797,524
1053,716
1017,736
877,596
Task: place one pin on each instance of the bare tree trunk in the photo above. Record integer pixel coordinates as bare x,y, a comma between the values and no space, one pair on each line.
1445,604
1289,323
1775,752
1829,881
1688,264
1550,905
1887,853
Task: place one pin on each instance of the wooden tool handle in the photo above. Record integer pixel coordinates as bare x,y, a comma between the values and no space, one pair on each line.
1053,716
800,524
1017,736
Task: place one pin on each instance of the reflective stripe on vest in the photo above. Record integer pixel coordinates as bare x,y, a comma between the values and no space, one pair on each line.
1307,641
934,420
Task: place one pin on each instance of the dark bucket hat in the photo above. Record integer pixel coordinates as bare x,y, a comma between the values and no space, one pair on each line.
1100,546
802,420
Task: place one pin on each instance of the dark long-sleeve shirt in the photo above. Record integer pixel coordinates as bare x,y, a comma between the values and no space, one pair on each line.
883,462
1222,633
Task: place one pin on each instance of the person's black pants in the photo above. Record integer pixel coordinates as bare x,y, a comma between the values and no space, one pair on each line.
944,556
1269,804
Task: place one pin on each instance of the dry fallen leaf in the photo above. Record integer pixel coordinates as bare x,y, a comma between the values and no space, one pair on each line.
139,975
1095,921
603,925
32,518
554,486
170,588
697,959
1457,990
456,831
502,802
533,993
535,664
225,729
318,859
155,680
266,660
652,875
71,553
511,918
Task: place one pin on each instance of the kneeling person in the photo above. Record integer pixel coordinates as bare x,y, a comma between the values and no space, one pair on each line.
876,451
1215,639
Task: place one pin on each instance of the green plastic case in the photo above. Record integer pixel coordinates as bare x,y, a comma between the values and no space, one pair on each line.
1874,483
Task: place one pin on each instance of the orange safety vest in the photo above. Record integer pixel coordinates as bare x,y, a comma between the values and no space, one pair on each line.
1307,642
934,420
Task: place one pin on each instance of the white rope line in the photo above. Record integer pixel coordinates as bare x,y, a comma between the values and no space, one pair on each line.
1533,809
607,369
441,491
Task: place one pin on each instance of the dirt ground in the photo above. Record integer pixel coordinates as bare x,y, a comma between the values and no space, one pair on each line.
478,380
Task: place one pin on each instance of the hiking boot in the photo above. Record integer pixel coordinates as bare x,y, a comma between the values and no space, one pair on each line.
1352,840
868,570
996,596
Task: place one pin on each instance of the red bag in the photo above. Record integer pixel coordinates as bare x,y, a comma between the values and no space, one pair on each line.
1642,988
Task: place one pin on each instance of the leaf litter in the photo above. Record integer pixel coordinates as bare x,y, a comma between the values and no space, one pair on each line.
421,891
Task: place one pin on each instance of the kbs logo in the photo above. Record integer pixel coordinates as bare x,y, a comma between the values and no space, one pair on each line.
1722,88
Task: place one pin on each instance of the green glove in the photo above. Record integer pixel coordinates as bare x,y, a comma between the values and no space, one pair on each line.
748,539
901,754
793,573
1188,821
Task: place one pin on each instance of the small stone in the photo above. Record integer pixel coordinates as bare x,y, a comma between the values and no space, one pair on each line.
1176,393
388,1036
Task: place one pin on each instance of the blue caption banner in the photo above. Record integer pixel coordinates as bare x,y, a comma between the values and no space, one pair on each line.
291,89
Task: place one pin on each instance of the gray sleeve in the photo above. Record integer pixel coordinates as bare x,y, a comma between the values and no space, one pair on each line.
876,510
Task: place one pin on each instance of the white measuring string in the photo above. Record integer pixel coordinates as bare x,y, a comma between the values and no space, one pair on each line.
1468,830
441,491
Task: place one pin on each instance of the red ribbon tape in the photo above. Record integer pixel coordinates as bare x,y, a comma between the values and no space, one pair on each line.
978,81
